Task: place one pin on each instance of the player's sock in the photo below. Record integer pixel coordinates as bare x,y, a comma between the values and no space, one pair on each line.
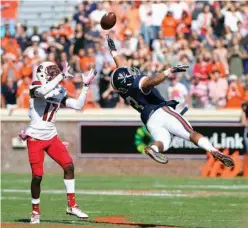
36,205
70,190
205,144
154,147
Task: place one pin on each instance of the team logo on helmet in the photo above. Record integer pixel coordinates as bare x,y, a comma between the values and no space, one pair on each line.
123,77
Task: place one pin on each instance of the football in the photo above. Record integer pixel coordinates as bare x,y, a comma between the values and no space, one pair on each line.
108,21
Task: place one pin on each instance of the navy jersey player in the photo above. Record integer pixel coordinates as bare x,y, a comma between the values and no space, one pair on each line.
159,116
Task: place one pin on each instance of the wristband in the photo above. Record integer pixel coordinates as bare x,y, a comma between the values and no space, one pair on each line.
167,72
114,53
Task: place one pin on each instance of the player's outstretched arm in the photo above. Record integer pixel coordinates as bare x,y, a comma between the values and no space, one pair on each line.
119,60
78,104
149,83
43,90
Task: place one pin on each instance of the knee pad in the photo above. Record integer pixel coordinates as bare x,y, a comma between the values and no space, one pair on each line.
69,167
37,179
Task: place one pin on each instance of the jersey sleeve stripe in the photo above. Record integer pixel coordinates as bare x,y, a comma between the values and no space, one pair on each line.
36,83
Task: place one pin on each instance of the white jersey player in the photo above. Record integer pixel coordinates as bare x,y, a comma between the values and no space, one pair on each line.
46,97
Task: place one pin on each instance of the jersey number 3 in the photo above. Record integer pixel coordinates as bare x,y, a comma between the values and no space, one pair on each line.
45,115
134,104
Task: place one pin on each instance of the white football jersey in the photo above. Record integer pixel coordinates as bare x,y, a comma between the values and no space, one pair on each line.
43,111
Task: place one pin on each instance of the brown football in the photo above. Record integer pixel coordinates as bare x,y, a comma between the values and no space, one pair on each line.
108,21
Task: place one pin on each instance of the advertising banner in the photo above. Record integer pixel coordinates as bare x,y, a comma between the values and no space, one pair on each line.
132,138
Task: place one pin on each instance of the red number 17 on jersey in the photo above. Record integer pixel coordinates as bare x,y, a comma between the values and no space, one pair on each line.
45,115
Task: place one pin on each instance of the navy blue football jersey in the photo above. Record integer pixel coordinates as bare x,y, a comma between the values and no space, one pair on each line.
145,102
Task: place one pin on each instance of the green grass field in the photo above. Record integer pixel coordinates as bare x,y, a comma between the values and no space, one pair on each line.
143,201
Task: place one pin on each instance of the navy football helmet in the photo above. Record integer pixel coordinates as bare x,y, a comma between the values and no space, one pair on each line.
123,77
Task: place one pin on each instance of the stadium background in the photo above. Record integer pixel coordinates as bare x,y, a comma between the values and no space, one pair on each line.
210,36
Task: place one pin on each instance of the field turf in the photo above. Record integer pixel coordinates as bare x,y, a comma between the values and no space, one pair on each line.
130,201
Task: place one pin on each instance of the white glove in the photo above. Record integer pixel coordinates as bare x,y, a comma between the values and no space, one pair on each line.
89,78
66,69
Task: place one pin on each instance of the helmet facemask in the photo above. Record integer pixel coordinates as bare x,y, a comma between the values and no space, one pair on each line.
51,72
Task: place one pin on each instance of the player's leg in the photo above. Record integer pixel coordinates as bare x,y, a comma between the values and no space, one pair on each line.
162,139
180,127
58,152
36,159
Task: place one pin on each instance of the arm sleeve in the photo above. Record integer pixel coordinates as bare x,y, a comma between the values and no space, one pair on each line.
137,83
38,90
77,104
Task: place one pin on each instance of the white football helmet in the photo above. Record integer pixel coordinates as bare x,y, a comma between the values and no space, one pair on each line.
47,71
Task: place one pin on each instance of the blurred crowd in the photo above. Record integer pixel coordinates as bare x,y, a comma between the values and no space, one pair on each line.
212,37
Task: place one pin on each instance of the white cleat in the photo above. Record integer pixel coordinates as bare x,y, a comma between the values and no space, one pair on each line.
76,211
35,218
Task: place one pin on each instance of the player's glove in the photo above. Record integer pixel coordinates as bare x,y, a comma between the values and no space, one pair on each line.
179,68
89,78
65,70
111,43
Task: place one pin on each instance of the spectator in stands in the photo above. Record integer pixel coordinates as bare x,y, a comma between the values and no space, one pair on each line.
34,50
8,94
130,44
65,43
184,25
97,14
194,42
199,94
10,45
158,47
177,8
235,93
236,54
26,69
81,16
108,97
177,91
86,59
204,20
78,41
70,87
22,37
92,36
221,53
145,13
185,77
244,24
218,65
132,17
10,68
169,28
66,30
217,87
218,22
202,66
232,17
23,93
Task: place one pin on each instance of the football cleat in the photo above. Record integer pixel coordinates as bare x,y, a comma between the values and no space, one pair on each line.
76,211
35,218
157,156
226,160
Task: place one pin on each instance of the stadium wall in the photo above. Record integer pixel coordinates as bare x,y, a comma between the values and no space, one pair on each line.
15,159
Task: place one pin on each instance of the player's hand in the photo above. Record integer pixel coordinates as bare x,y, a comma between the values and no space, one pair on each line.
66,69
111,43
89,78
179,68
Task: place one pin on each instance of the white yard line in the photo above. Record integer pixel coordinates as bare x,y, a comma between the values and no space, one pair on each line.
104,192
203,186
162,193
